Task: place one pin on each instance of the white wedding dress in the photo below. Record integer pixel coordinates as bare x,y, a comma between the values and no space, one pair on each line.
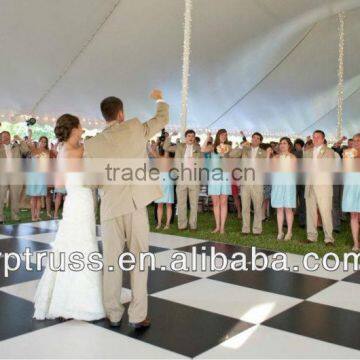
72,294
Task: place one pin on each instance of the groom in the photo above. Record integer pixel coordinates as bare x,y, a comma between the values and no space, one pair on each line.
123,207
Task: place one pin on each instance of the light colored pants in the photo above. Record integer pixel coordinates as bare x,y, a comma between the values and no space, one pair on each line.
132,228
254,194
182,193
314,201
15,191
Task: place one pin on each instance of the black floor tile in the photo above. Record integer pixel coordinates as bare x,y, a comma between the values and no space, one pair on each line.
156,249
279,282
227,249
180,328
22,230
98,230
16,317
48,225
152,249
162,280
354,278
19,245
17,276
322,322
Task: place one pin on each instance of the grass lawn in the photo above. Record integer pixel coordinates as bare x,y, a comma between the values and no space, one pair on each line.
343,241
25,216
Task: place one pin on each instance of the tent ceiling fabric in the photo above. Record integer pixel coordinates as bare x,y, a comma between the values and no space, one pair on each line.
282,53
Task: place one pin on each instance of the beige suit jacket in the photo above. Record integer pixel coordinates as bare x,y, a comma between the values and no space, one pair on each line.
126,140
179,149
245,153
321,189
17,150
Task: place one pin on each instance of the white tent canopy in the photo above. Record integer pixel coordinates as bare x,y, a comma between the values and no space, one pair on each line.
274,61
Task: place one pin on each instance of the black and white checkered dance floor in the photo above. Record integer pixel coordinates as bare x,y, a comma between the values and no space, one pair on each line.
196,314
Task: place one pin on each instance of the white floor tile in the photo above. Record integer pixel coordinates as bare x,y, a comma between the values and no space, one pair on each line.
26,290
260,342
164,259
239,302
4,236
171,241
297,260
343,294
46,238
76,339
51,225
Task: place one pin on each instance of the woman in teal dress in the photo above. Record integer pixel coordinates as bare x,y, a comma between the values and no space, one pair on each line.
283,190
167,186
219,184
37,179
351,194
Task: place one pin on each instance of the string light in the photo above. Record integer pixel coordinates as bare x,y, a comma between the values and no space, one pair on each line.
93,124
340,107
186,64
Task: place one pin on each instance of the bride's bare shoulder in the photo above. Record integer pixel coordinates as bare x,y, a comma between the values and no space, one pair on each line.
70,152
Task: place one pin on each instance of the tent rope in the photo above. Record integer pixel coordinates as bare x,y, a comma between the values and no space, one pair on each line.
186,66
237,102
75,58
329,112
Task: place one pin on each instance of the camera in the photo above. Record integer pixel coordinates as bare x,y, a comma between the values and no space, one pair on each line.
30,122
162,136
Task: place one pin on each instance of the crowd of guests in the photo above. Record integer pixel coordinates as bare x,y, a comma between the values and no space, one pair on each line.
315,206
317,203
38,192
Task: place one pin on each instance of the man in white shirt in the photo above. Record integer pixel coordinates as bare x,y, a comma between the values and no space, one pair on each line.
252,192
318,191
11,151
187,187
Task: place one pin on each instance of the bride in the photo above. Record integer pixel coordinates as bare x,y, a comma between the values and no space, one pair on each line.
72,294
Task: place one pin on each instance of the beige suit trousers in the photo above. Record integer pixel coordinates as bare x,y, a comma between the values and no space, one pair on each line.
183,192
15,191
254,194
324,203
132,228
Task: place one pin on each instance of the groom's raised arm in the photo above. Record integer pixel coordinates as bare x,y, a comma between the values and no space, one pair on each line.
161,118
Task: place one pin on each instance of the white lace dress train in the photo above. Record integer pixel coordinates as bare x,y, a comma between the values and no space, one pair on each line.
73,294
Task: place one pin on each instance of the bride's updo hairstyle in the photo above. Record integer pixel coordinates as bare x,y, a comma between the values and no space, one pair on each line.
64,125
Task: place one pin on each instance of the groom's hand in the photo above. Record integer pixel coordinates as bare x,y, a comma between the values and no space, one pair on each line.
156,95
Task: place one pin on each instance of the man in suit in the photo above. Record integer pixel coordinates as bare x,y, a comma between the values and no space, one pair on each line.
300,189
11,151
187,153
252,192
123,210
319,190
